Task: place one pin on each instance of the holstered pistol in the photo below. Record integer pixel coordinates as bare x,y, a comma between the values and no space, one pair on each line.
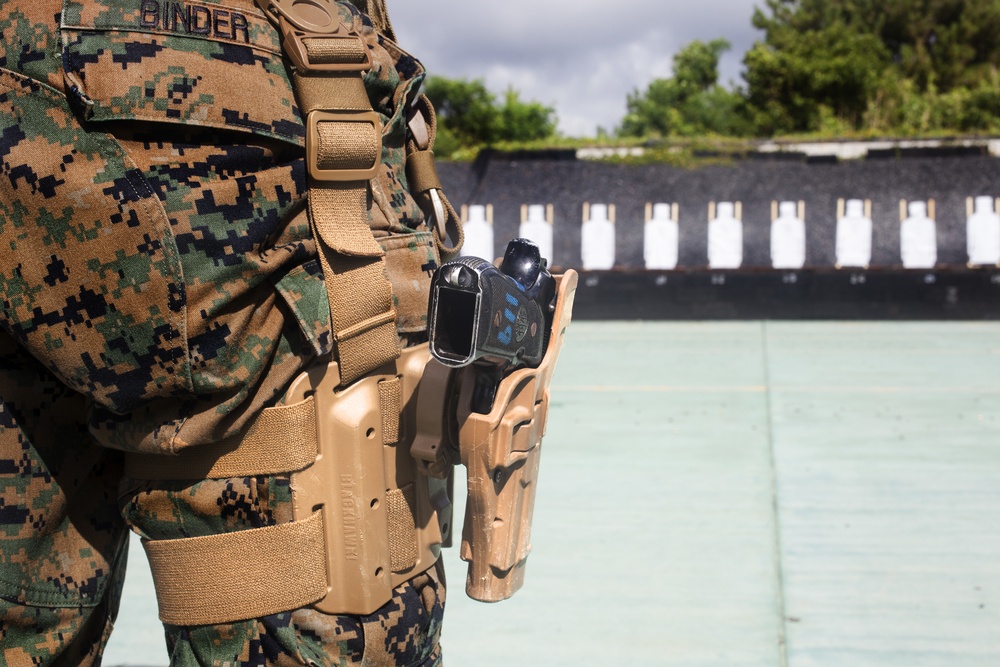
500,446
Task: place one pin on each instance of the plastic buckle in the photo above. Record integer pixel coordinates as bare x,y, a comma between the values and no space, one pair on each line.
295,47
300,20
312,145
316,16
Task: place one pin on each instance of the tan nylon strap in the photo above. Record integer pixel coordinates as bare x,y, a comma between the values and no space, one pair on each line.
238,576
390,395
332,50
281,440
343,91
346,145
356,285
361,354
340,231
358,291
363,328
421,172
360,296
367,342
403,549
422,181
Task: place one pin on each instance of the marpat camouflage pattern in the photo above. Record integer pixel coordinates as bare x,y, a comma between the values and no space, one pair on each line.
158,288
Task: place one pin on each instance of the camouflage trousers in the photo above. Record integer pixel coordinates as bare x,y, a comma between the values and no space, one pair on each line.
63,511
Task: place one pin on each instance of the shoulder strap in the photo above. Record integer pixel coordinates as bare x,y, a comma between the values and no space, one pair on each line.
343,154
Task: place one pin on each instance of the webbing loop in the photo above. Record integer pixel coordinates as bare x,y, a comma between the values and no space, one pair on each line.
424,182
316,52
347,51
390,404
421,171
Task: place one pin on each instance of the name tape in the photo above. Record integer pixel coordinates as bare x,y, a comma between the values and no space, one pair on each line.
191,19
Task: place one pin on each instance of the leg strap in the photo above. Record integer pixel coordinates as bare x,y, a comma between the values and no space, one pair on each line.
238,576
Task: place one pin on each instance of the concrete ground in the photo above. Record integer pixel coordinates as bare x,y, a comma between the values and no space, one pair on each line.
745,494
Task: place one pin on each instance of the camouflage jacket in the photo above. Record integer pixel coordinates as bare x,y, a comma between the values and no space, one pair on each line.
155,252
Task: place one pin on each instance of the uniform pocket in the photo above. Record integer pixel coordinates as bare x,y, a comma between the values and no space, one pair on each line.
410,260
90,278
194,63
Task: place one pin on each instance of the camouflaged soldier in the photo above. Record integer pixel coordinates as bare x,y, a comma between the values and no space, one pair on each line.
161,286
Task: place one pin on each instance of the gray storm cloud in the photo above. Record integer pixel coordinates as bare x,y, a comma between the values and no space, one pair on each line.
582,57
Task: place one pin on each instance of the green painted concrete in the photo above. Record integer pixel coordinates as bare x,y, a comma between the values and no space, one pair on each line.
887,450
745,494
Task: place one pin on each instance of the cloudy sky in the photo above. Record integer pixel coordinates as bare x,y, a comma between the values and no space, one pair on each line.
580,56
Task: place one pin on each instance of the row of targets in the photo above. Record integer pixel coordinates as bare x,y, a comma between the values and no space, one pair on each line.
918,234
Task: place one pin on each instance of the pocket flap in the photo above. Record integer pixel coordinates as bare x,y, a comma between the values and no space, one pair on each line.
410,260
179,61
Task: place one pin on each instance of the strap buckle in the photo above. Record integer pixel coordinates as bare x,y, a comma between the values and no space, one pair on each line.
315,21
351,55
357,118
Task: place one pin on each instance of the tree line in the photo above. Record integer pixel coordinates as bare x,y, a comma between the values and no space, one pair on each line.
822,67
469,115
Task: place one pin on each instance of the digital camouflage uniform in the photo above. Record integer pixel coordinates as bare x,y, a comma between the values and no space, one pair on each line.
159,287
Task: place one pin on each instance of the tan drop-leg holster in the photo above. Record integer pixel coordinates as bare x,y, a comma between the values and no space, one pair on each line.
368,514
382,519
501,452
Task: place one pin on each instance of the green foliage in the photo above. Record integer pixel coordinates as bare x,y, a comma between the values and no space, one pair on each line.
798,79
874,66
697,64
690,103
902,108
469,116
465,109
836,67
981,108
950,43
821,67
524,121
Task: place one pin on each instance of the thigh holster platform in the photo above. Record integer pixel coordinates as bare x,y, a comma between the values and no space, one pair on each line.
365,520
380,530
